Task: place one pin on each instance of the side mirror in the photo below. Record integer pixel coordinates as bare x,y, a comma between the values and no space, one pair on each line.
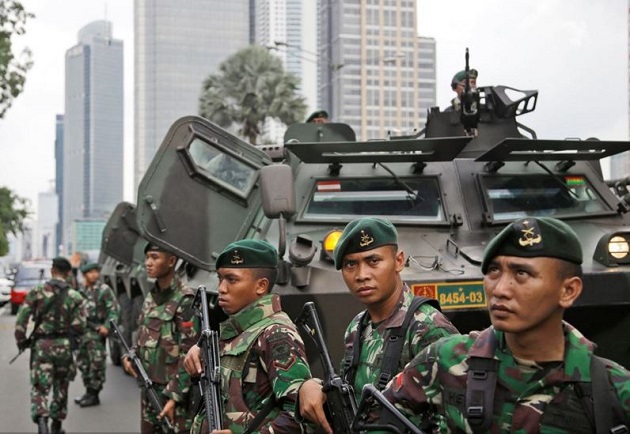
277,190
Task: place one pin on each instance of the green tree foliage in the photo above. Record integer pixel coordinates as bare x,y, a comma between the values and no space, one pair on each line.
250,87
13,69
13,211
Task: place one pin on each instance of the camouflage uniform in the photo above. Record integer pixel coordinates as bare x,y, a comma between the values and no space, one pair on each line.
52,365
101,307
435,383
428,326
261,354
166,331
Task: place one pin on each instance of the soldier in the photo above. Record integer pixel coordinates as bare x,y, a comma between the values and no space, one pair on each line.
367,254
101,307
530,371
318,117
58,314
258,336
458,84
166,330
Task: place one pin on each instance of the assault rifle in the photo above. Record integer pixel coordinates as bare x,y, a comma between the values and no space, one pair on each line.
144,382
340,400
371,394
210,379
470,103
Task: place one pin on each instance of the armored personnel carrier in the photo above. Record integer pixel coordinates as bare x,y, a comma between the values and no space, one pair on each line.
448,190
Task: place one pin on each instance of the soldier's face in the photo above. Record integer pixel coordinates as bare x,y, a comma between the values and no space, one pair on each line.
528,294
159,264
372,276
461,86
91,276
239,287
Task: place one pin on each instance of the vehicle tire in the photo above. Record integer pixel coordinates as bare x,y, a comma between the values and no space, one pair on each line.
115,350
14,308
115,353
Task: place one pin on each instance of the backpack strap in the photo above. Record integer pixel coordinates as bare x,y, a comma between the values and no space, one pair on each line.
396,339
480,387
609,416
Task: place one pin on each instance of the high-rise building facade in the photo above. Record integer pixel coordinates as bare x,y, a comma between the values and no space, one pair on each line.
45,239
177,45
93,127
375,73
59,180
288,29
620,164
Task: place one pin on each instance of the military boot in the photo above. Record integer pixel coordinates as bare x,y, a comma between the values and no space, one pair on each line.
42,425
78,399
91,399
55,427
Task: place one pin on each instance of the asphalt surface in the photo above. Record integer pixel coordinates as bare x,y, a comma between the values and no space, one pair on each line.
119,411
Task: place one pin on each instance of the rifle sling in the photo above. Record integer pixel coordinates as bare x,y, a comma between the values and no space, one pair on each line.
393,346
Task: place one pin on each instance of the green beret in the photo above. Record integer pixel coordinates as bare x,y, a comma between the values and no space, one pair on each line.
150,247
461,75
90,266
317,114
362,235
61,264
533,237
248,254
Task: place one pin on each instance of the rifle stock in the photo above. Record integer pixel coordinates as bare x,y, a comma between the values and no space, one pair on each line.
340,400
210,379
144,382
371,393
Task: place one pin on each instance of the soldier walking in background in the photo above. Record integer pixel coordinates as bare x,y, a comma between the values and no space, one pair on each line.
367,254
101,307
57,312
167,329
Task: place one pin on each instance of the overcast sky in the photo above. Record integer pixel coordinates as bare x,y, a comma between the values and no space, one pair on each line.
574,52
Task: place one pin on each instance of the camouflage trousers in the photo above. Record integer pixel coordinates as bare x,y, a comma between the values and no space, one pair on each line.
150,424
91,361
52,369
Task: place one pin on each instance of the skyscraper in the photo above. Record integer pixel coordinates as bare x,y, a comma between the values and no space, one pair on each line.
177,45
93,127
289,30
620,164
376,74
59,180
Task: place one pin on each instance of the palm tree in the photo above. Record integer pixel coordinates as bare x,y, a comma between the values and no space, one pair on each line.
250,87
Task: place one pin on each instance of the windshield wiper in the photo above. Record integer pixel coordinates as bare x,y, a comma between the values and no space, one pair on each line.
559,181
415,196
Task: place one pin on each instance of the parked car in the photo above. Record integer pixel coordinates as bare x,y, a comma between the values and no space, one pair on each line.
5,290
27,276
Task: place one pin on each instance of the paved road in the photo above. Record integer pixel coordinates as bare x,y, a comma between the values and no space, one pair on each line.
119,411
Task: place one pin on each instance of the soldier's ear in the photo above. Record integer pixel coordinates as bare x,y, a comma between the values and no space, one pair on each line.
570,291
262,286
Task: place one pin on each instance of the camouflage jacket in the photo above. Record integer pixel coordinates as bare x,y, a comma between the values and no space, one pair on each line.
101,305
275,365
167,329
61,317
428,326
528,397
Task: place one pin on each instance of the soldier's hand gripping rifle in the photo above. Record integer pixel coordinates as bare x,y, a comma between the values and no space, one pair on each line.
143,379
340,400
469,103
210,379
370,395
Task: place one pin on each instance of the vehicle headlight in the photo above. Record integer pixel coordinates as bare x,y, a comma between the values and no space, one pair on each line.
613,249
330,241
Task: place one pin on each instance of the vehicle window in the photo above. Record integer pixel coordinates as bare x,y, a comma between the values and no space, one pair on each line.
222,168
514,196
346,199
34,273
